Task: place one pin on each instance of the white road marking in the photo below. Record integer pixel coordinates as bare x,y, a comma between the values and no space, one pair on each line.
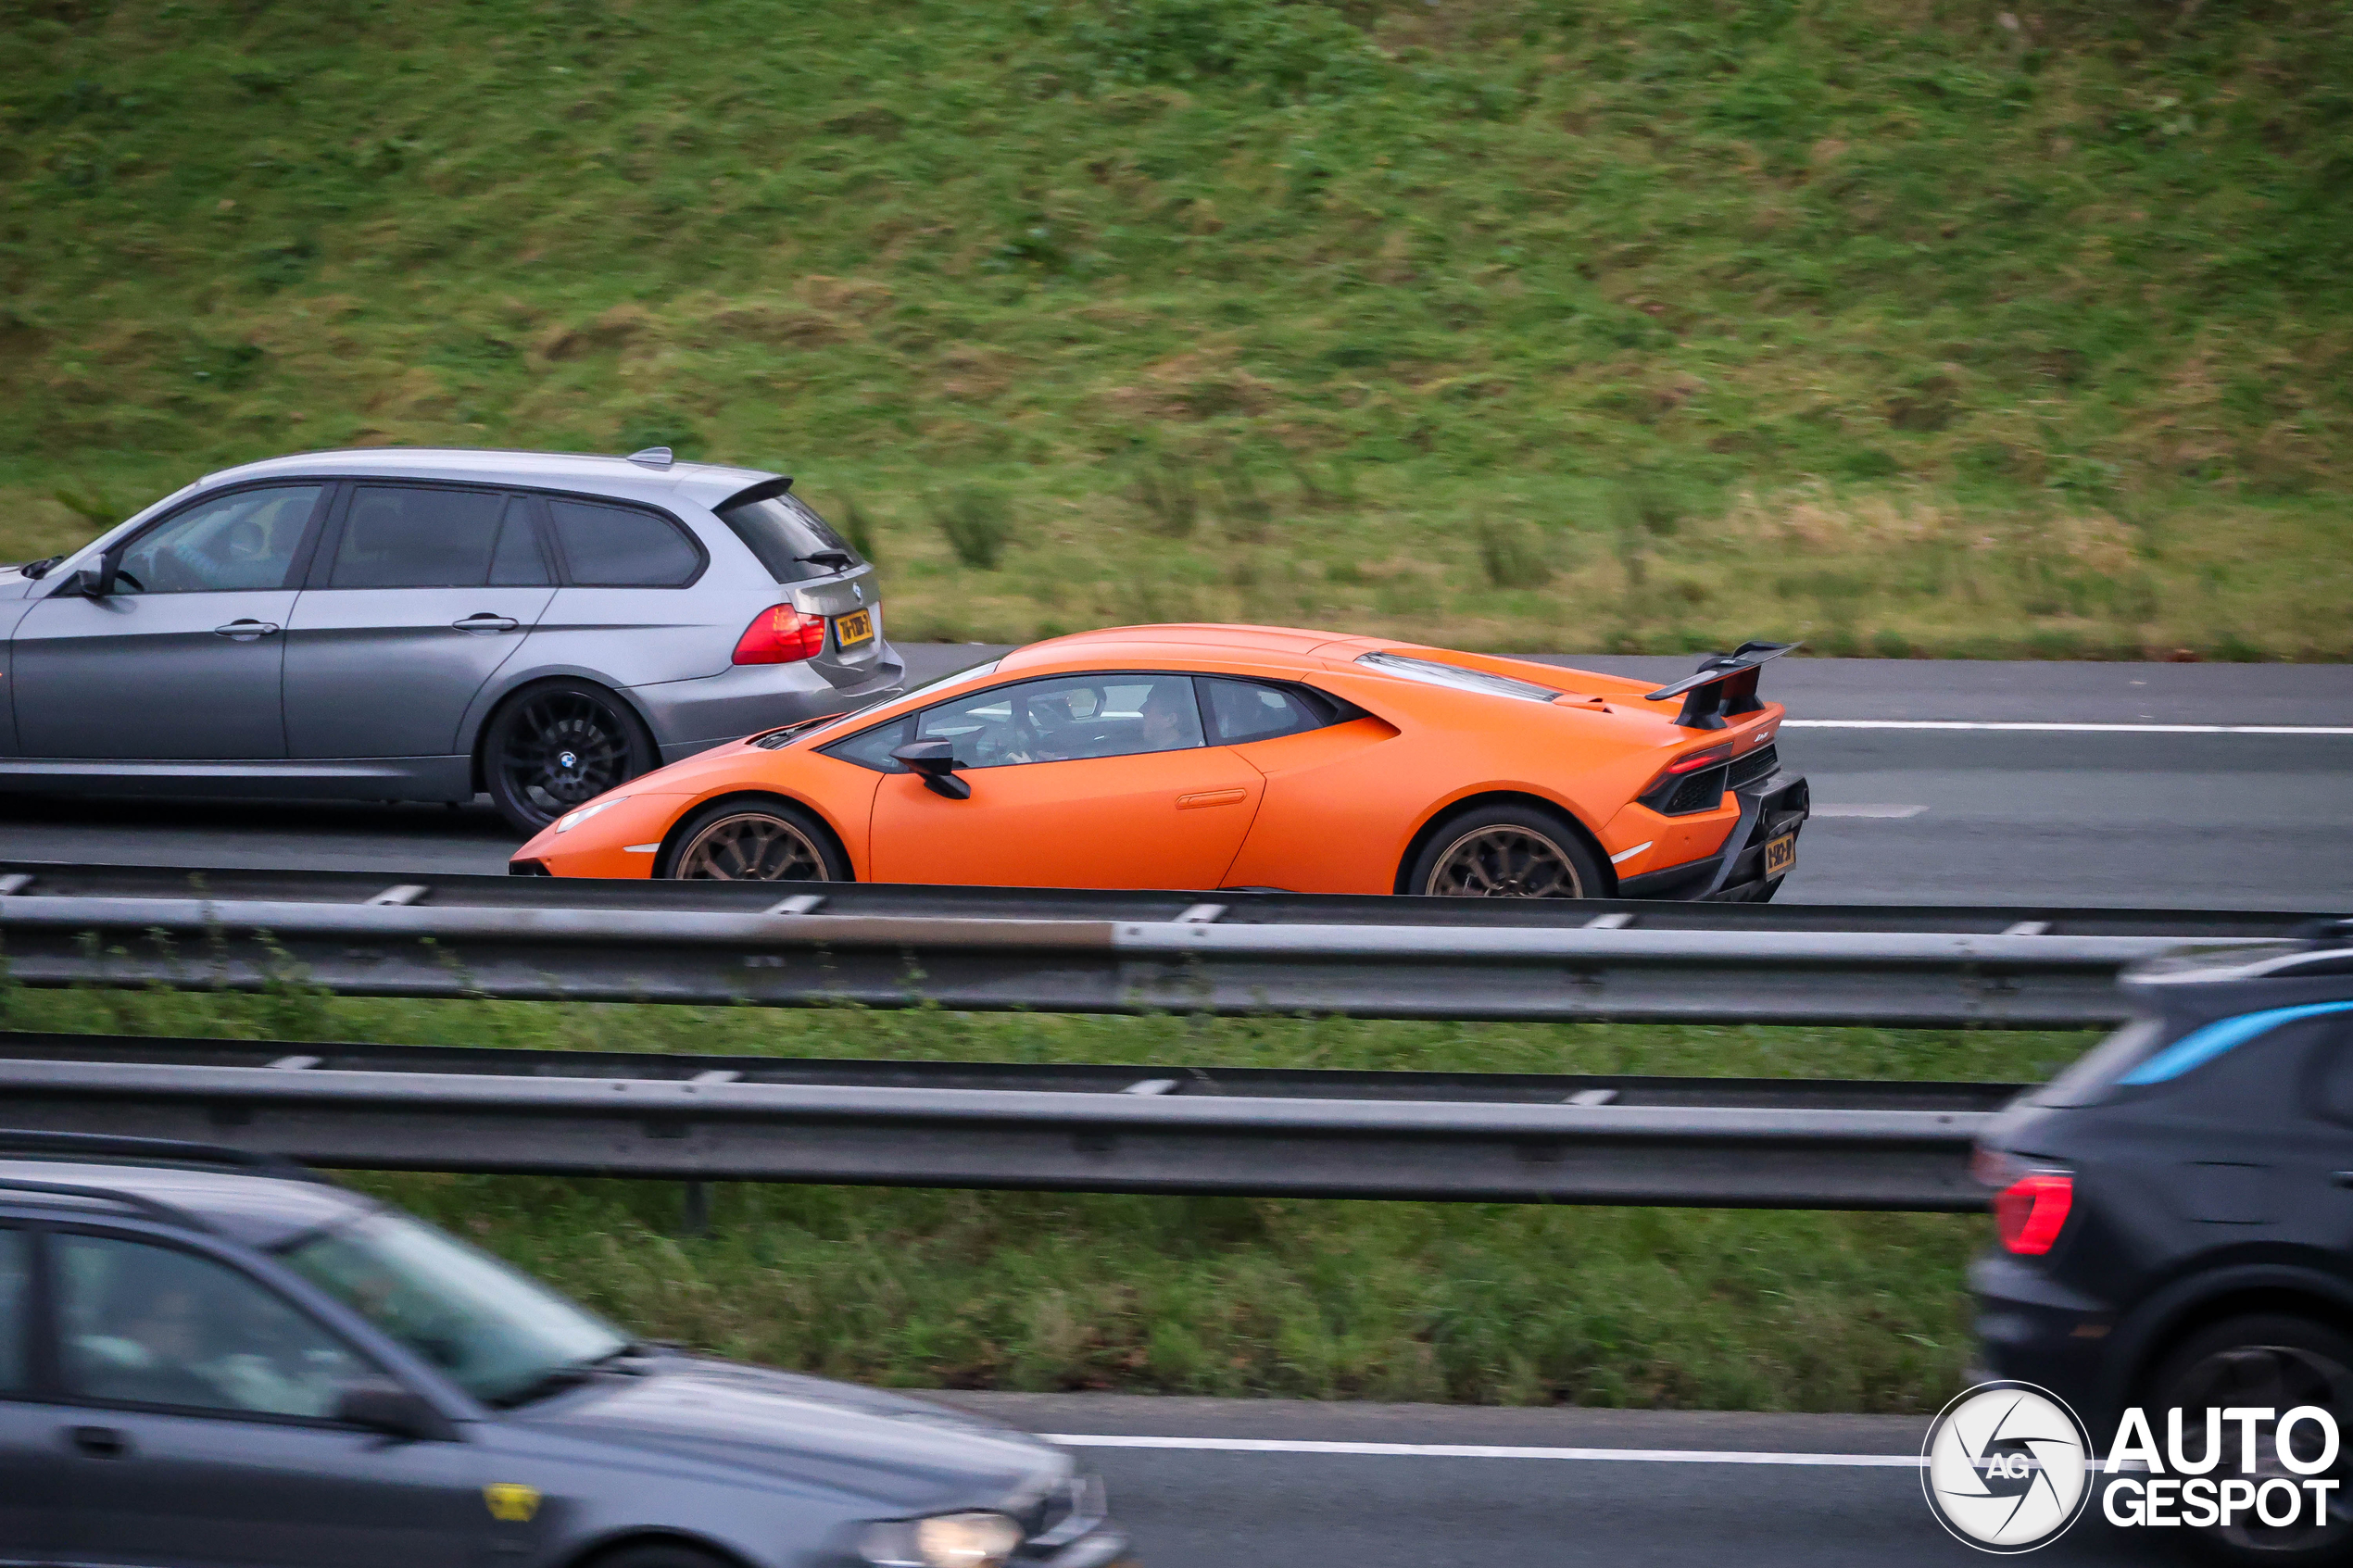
2069,729
1480,1450
1892,813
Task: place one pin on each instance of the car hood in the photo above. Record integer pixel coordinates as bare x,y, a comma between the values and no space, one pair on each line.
905,1453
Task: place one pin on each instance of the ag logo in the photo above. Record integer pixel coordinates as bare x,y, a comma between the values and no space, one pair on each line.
514,1504
2006,1467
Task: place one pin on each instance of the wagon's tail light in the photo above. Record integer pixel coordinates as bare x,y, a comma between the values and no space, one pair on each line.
780,634
2030,1211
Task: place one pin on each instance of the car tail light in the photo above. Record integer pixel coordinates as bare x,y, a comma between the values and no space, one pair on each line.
781,635
2030,1210
1696,761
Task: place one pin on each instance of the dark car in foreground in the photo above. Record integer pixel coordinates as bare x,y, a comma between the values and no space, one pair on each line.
2176,1221
385,624
212,1361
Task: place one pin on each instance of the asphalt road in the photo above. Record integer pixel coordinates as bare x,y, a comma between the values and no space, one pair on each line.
1710,1488
2144,787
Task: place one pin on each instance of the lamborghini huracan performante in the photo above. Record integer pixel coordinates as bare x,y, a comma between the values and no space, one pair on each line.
1237,757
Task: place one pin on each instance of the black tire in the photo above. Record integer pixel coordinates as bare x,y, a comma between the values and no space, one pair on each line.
1509,850
754,838
559,744
659,1554
2265,1359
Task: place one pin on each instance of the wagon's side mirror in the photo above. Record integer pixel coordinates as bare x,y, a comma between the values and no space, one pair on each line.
935,760
90,583
383,1407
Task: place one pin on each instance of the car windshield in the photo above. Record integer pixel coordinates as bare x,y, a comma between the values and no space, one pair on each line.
924,690
1434,673
495,1333
790,539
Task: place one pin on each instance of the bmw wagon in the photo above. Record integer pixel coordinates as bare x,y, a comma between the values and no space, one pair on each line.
431,625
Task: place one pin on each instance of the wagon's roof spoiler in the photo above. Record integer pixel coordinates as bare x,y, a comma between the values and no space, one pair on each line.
765,490
1725,683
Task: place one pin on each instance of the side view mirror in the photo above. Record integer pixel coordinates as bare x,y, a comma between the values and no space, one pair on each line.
90,583
381,1405
935,760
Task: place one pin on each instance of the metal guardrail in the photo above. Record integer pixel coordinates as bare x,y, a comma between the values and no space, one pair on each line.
1747,1143
1072,951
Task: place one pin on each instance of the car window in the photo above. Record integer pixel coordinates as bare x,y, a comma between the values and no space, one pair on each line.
1066,720
1246,710
140,1324
785,532
872,748
404,536
622,547
494,1330
15,1293
520,560
242,541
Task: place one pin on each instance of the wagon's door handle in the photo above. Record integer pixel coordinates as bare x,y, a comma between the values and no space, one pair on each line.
486,621
2341,1178
99,1442
245,631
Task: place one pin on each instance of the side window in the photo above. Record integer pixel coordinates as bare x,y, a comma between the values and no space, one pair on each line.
140,1324
521,560
1244,710
873,748
16,1303
407,537
1066,720
242,541
622,547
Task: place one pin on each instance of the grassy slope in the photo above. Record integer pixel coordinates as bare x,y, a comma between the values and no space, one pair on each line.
1940,332
1476,1302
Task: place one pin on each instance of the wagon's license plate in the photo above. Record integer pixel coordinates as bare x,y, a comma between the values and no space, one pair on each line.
857,626
1781,854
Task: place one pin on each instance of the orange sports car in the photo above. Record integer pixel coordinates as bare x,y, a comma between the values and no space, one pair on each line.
1237,756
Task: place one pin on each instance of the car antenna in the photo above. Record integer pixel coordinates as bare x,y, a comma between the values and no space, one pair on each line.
653,456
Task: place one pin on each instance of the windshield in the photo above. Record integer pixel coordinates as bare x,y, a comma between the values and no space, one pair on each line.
831,724
790,539
1454,675
494,1332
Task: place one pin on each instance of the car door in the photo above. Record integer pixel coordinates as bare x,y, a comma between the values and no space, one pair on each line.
420,593
184,658
1086,781
200,1436
31,1459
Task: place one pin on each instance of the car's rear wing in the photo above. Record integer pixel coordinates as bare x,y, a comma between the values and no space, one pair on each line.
1725,683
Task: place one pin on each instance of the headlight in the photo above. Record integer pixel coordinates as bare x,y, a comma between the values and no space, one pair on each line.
947,1540
572,820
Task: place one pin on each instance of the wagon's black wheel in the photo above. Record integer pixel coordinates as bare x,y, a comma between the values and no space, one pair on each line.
556,746
1507,851
754,840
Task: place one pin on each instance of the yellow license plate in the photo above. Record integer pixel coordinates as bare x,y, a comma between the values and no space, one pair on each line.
1781,854
857,626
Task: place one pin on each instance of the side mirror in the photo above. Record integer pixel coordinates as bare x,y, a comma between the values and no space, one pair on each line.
935,760
381,1405
90,583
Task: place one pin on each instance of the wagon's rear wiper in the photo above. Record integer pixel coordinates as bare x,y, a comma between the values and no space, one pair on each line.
837,560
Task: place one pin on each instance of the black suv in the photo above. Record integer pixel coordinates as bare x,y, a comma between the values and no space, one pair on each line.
210,1358
2176,1218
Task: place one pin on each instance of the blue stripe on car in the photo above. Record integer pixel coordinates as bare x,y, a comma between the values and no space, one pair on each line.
2207,1041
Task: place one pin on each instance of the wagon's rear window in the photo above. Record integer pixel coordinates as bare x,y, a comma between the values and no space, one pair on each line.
790,539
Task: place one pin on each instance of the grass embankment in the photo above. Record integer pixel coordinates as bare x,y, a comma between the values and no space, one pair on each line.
1491,1303
1526,325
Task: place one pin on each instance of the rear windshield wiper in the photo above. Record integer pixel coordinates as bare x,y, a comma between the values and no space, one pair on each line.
837,560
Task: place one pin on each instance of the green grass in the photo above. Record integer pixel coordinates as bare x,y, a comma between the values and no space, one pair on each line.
1959,337
1488,1303
1948,331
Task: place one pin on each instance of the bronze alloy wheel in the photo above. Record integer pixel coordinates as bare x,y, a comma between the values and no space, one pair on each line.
1504,860
751,846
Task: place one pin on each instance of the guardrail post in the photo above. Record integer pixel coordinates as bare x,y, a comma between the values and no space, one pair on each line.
694,1217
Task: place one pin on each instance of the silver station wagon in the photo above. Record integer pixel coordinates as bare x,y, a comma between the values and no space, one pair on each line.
433,625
